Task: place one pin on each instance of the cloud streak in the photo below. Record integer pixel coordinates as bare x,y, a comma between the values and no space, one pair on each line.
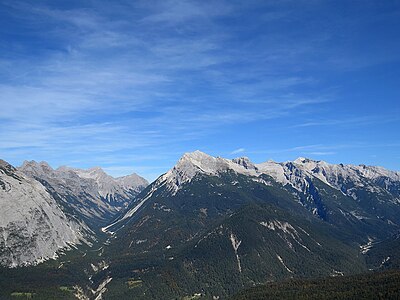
237,151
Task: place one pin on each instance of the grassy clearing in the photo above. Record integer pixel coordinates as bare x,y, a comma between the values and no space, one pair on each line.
132,283
66,289
22,294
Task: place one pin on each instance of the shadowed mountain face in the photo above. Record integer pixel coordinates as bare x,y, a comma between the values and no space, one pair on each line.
213,225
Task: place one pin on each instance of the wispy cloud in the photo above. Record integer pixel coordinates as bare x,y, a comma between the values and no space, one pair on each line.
237,151
319,153
352,120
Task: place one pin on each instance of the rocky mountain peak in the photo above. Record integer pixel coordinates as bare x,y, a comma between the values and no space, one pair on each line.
6,165
302,160
245,162
194,162
36,168
131,180
197,157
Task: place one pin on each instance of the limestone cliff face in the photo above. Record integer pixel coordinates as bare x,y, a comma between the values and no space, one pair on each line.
32,225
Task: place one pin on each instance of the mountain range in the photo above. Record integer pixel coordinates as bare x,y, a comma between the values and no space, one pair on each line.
93,195
209,227
45,210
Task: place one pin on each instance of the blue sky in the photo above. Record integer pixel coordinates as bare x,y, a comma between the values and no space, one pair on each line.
132,85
